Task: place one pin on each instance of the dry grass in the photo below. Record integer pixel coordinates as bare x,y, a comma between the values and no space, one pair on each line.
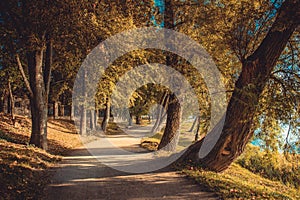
239,183
62,134
22,174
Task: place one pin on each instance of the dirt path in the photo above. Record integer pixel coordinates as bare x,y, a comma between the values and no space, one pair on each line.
83,176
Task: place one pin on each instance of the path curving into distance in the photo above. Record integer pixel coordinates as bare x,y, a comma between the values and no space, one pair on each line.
81,175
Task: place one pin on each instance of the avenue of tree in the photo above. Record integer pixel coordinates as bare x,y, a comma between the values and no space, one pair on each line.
255,45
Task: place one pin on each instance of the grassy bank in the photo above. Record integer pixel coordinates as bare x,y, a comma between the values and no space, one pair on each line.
239,183
255,174
22,166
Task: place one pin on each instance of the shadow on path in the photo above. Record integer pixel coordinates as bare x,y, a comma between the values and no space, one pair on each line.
82,176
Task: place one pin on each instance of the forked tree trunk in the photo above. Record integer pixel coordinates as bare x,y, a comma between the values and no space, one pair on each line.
37,100
255,73
106,116
38,87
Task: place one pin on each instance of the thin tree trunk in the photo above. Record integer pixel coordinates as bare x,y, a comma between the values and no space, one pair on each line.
106,116
138,119
12,103
198,128
83,121
83,118
5,102
61,110
71,112
92,120
96,118
161,115
130,120
255,73
194,123
55,110
2,102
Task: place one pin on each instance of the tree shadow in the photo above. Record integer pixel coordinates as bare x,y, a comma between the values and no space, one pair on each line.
80,176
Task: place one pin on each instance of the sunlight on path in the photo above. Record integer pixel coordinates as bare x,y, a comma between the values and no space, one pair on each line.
83,176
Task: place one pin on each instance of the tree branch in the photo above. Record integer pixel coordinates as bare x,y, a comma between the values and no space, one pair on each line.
24,76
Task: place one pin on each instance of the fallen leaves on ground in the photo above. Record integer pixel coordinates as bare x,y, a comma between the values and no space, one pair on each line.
22,166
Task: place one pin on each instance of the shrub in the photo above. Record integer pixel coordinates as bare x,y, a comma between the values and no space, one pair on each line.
272,165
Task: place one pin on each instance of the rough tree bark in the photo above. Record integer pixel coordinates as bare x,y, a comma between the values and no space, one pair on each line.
37,103
171,134
38,87
256,70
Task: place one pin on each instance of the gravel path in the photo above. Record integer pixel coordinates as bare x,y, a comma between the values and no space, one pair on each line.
83,176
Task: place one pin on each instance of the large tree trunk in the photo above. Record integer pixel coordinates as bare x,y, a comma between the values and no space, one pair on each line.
170,137
106,116
37,100
255,73
171,134
38,87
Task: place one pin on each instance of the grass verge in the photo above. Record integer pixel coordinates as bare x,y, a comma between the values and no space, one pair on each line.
239,183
